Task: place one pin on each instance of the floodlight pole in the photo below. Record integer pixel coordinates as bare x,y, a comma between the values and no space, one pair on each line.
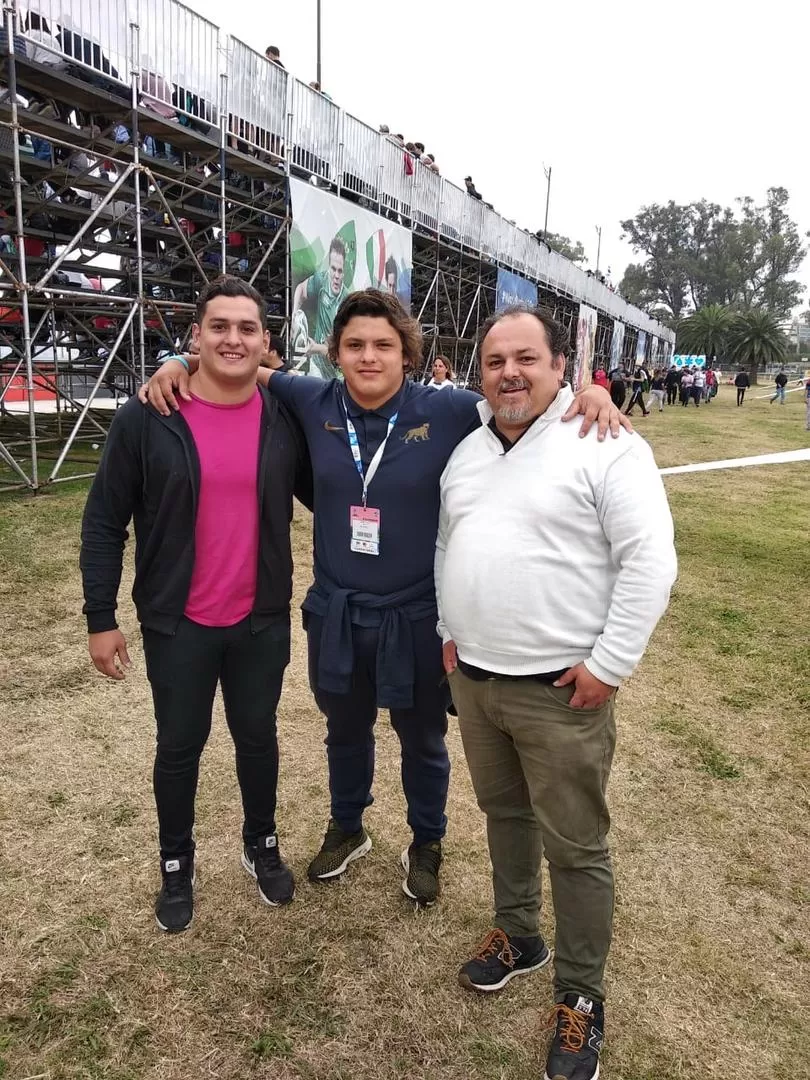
599,247
318,41
547,172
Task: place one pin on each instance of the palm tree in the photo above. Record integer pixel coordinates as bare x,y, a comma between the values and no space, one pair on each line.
706,331
755,340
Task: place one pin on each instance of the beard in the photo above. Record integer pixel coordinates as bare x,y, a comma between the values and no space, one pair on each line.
514,413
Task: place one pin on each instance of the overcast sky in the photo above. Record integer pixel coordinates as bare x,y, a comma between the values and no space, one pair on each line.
629,102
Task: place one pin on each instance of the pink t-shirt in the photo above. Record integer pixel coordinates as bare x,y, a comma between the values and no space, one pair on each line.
226,535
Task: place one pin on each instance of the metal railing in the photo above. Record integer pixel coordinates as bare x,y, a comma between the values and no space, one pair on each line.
189,71
256,100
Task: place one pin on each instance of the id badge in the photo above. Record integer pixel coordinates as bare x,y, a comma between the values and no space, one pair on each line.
365,523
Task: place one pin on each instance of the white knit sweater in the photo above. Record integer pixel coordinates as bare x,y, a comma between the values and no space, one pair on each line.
557,552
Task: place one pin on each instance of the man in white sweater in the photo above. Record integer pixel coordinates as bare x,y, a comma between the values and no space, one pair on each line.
551,574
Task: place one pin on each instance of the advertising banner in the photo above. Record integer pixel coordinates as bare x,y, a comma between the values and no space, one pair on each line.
586,343
616,345
513,289
654,343
337,247
641,348
683,360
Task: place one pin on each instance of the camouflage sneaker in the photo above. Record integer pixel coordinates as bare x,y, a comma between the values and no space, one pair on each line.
337,851
421,865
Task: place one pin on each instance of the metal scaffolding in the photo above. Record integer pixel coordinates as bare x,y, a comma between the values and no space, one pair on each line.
145,152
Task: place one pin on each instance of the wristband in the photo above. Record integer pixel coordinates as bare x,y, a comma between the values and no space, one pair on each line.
177,356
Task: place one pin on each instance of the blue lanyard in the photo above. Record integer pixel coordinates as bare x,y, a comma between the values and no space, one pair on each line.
354,446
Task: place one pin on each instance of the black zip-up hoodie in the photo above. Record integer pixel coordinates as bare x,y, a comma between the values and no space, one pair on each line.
150,472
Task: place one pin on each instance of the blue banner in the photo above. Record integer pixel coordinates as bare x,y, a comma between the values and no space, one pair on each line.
513,289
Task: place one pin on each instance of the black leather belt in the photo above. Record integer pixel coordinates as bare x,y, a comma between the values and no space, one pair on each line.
481,675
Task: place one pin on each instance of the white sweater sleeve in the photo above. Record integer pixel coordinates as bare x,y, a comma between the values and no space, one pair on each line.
438,567
637,523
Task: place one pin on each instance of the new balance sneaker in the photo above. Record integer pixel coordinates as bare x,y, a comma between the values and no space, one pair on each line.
263,861
421,865
579,1030
337,851
174,907
500,958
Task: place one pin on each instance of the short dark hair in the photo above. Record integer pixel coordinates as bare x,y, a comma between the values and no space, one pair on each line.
277,345
556,333
273,50
379,305
338,247
228,285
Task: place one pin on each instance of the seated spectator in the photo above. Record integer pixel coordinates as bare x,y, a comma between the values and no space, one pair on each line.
471,189
317,86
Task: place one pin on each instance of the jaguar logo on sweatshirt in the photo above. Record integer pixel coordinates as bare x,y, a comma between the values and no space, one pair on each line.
417,434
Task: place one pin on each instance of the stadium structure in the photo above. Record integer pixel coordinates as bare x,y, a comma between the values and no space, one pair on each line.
144,152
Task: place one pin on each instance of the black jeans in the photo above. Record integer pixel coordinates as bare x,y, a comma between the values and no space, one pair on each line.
672,394
637,398
350,720
184,670
741,394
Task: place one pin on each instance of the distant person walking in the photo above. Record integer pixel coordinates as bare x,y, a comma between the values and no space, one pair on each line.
807,402
687,379
657,391
637,392
781,381
673,385
698,386
618,387
711,384
742,382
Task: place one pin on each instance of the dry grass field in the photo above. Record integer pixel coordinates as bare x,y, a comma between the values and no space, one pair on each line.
710,971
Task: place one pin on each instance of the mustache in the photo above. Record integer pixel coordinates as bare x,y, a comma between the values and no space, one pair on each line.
513,384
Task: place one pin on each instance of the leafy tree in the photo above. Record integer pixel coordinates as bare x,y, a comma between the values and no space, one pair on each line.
570,249
756,340
706,331
700,254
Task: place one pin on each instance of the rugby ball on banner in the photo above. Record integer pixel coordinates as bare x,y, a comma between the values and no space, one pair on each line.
299,335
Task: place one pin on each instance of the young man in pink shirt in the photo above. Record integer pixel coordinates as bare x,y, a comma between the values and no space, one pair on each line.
210,490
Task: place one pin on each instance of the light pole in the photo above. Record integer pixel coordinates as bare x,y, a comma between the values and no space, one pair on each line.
547,172
318,36
599,247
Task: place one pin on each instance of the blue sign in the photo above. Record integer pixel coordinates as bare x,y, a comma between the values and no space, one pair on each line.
513,289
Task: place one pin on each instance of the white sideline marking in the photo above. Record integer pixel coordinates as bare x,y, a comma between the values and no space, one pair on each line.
792,390
741,462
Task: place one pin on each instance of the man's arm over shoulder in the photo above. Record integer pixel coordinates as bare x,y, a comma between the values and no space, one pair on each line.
110,504
458,408
637,522
300,393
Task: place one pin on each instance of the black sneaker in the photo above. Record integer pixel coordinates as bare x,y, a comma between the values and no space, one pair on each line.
337,851
421,865
500,958
174,906
578,1036
263,861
